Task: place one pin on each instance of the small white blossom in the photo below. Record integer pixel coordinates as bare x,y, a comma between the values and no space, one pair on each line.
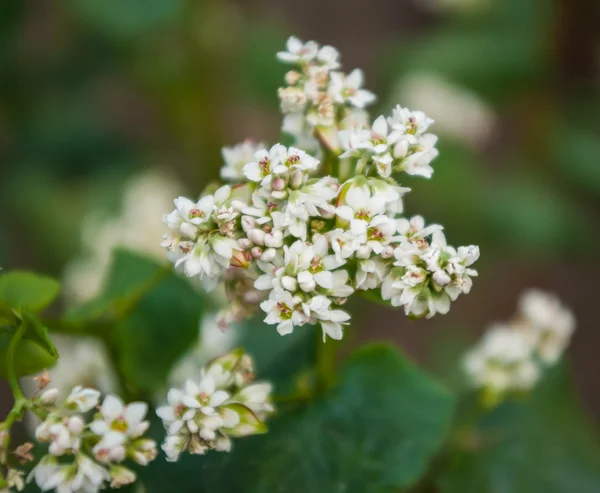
236,157
349,88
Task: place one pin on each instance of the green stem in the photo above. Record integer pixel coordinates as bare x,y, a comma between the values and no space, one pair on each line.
10,362
325,365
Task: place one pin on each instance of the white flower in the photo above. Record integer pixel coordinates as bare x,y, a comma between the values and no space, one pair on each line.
328,56
331,320
298,52
115,416
83,399
82,475
14,479
348,88
550,324
236,157
409,122
502,361
415,229
203,396
284,310
110,448
414,155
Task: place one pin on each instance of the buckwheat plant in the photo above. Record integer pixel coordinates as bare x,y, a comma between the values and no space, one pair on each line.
302,228
512,356
296,230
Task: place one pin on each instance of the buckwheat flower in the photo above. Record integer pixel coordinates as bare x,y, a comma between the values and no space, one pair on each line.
82,475
413,156
236,157
549,324
414,230
121,476
82,399
14,479
197,422
115,416
348,88
331,320
284,310
298,52
409,122
502,362
110,448
328,56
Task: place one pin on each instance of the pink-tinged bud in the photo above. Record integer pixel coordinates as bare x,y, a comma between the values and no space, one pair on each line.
49,396
296,179
256,252
239,259
278,184
268,255
257,236
292,77
117,454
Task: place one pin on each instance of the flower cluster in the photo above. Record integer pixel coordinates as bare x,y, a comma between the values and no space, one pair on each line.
511,356
222,405
297,235
86,455
317,94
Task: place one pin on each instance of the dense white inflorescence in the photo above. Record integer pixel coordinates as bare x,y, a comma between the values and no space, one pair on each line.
511,357
224,403
300,230
88,454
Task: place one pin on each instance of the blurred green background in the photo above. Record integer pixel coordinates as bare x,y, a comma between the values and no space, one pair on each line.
109,108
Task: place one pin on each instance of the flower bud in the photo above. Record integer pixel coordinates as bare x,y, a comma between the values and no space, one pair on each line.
388,252
279,195
268,255
274,239
49,396
289,283
75,425
278,184
257,236
121,476
256,252
296,179
239,259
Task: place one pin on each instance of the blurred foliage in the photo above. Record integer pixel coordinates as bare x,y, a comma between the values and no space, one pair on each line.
542,444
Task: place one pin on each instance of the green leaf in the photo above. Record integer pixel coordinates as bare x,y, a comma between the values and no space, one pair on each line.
545,444
375,433
31,357
155,318
25,290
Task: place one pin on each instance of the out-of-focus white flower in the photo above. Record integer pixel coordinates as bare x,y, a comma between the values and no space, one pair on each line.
89,452
348,88
146,197
236,157
502,361
82,399
512,357
444,101
221,406
549,324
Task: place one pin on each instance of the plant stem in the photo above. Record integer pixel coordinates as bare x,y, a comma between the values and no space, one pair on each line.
325,364
10,362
